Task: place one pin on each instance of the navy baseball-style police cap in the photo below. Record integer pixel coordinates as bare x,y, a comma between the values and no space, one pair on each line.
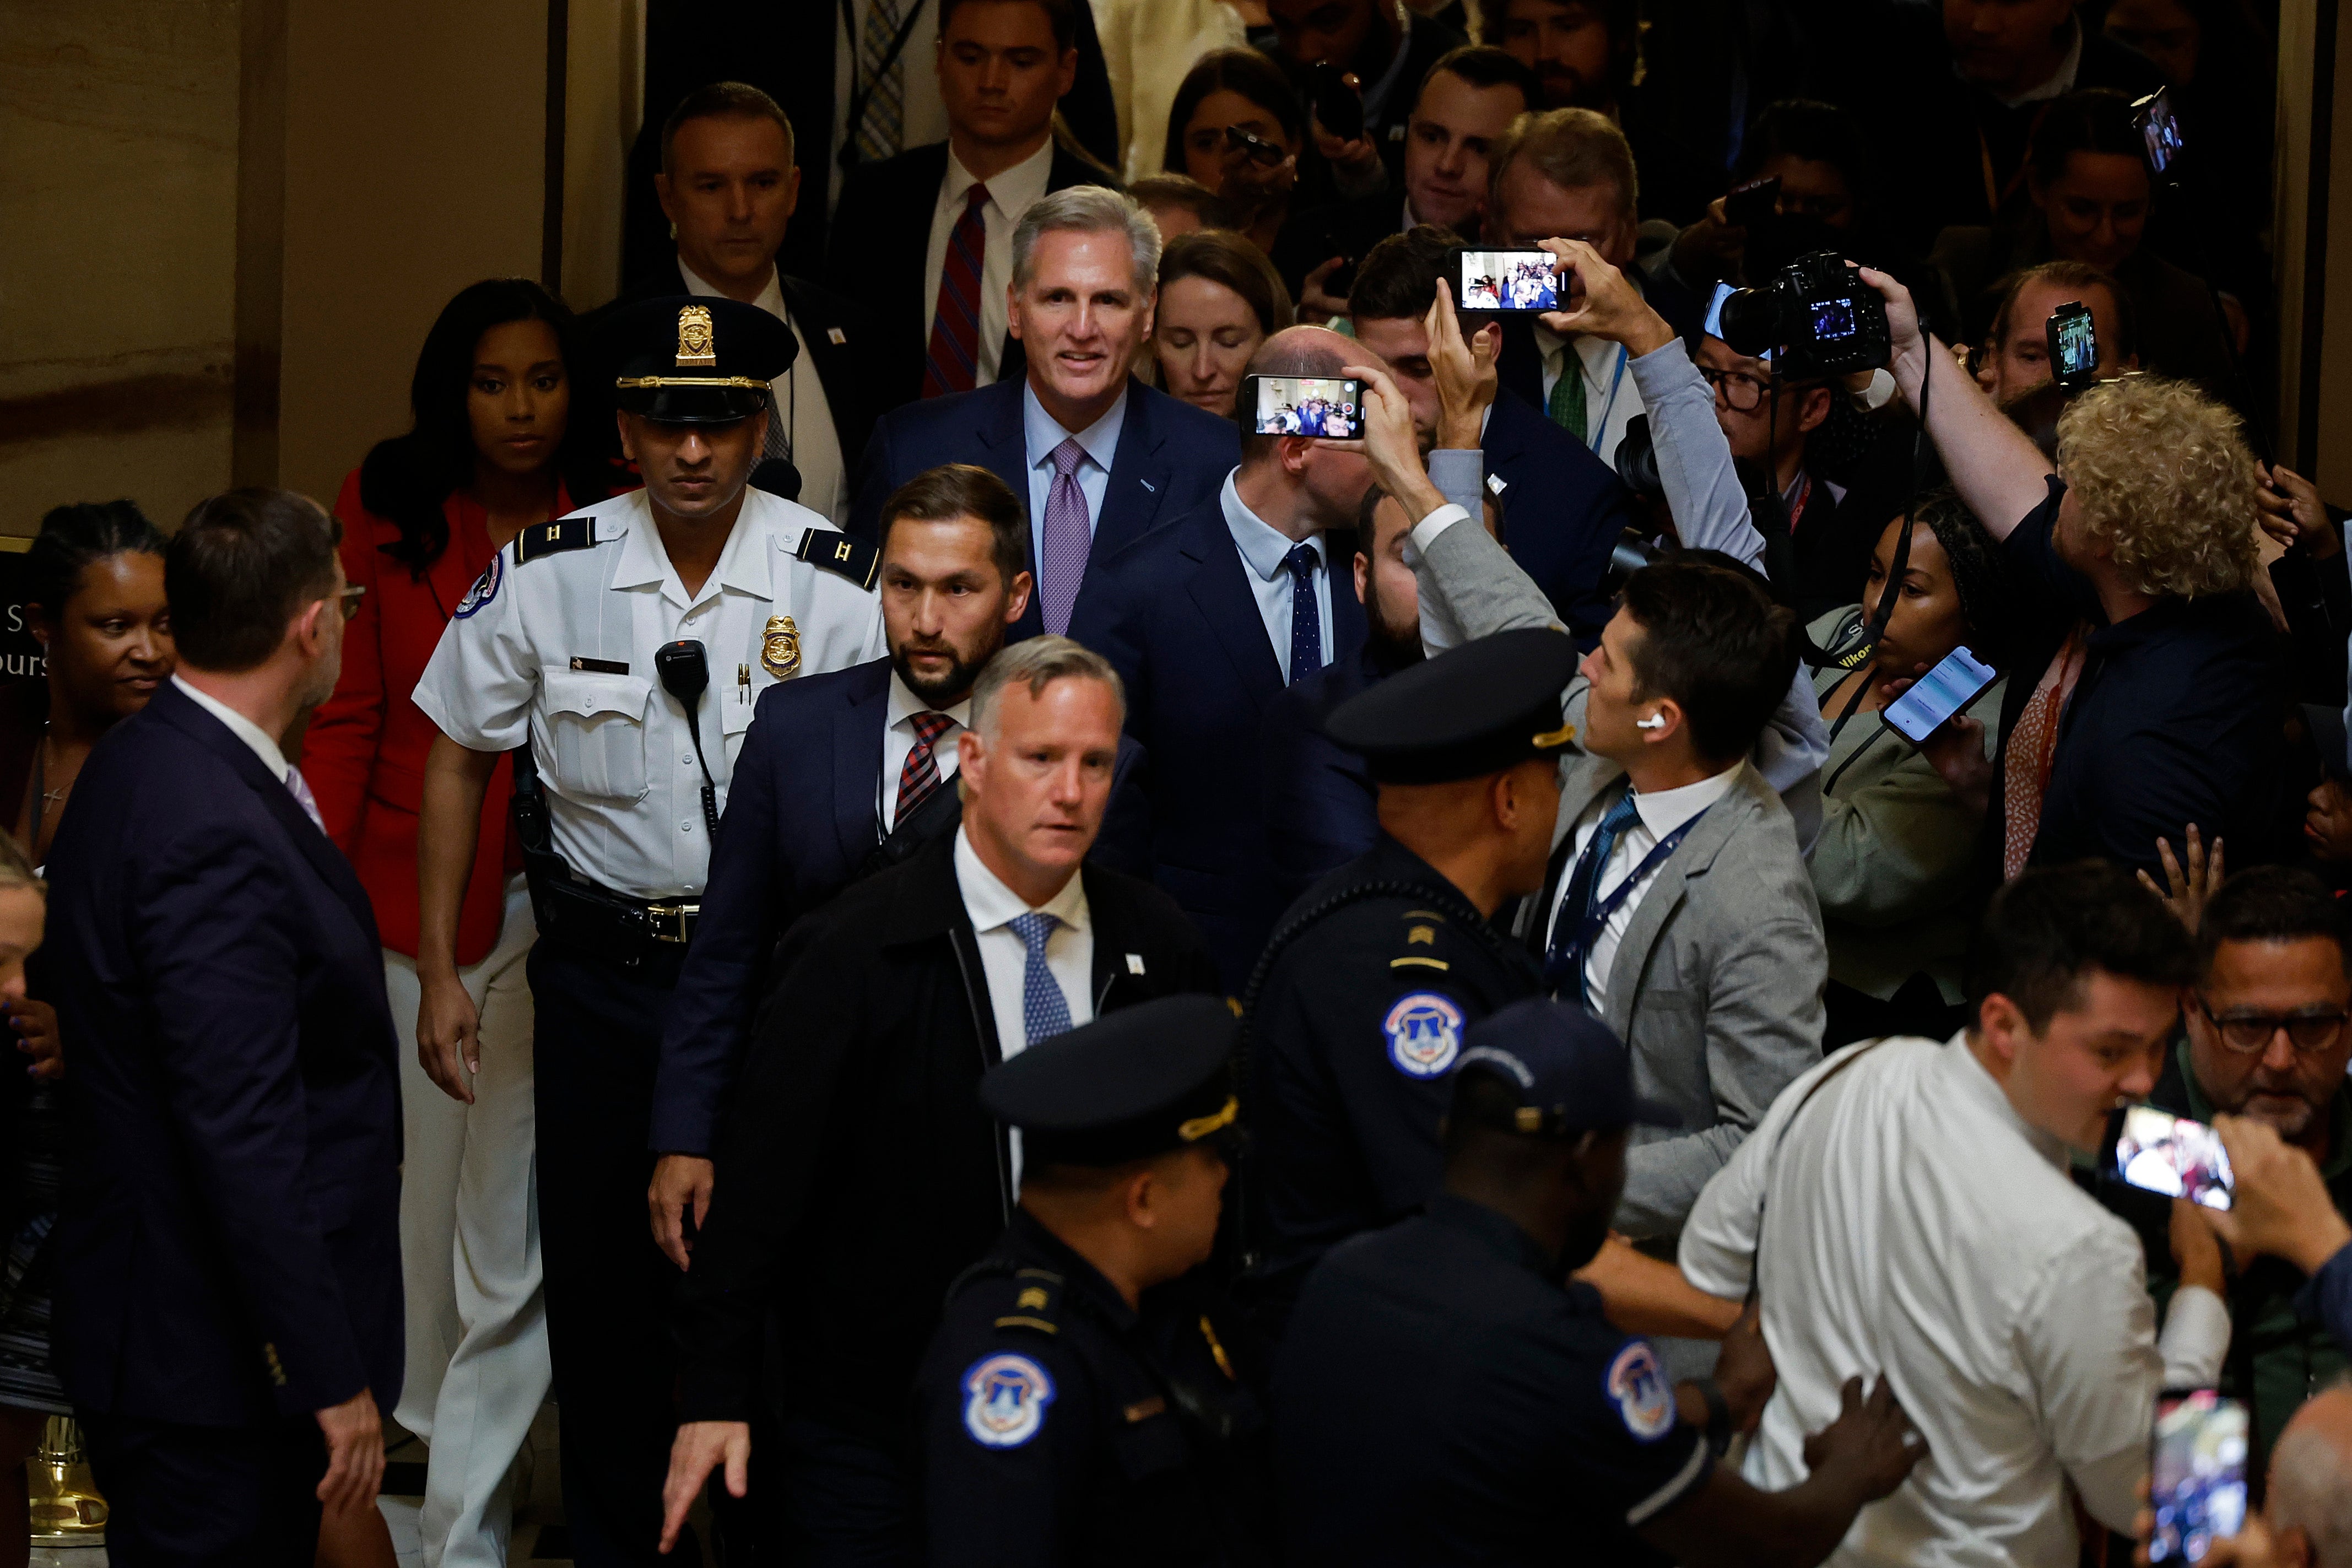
1572,1074
693,359
1134,1083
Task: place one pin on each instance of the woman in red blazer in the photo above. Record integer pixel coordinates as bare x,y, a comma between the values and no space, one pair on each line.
491,452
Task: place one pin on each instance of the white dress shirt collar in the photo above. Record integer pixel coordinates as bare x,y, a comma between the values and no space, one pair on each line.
1664,810
243,728
742,561
1013,190
990,904
1972,1078
771,293
1263,546
1044,433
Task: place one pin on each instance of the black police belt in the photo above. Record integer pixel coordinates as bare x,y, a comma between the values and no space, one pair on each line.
578,913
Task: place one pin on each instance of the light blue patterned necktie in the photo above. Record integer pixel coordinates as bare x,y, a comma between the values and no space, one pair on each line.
1044,1011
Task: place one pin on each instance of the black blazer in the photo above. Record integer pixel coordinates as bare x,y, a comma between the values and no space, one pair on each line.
1174,614
1171,457
1562,510
836,337
1322,809
857,1175
881,240
801,821
228,1247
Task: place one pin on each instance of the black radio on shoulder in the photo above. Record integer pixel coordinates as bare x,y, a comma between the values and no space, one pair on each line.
1816,315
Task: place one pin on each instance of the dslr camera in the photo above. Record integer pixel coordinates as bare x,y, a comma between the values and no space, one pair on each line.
1816,314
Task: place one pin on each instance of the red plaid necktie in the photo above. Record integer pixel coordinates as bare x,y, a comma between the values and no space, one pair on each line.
921,773
952,362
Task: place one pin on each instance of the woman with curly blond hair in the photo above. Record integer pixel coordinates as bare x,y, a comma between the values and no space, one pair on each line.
2147,696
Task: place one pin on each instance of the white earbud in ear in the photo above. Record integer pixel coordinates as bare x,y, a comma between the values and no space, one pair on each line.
1655,722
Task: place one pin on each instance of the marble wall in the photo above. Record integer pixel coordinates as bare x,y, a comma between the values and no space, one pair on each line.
118,252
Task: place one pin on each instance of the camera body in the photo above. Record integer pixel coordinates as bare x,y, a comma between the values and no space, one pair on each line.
1816,315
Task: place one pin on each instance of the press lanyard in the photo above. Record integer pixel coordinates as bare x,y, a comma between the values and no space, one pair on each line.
1589,927
1797,508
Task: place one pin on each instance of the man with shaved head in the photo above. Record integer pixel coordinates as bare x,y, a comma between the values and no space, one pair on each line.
1207,619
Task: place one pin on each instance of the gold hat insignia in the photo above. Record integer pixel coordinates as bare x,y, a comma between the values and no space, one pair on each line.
695,344
780,647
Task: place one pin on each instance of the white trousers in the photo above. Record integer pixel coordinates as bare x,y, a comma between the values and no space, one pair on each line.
477,1366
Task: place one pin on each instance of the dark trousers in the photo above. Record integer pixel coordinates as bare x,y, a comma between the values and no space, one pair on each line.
608,1286
841,1501
207,1497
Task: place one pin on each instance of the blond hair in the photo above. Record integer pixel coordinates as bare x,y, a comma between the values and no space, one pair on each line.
16,867
2162,478
1038,662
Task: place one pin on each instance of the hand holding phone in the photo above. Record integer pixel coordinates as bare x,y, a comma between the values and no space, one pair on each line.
1328,407
1507,279
2197,1475
1750,205
1338,108
2158,1152
1955,681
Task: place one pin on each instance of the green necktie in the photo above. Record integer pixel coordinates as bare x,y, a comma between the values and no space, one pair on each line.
1567,405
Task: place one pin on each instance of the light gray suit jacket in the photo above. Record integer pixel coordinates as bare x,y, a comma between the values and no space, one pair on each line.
1717,987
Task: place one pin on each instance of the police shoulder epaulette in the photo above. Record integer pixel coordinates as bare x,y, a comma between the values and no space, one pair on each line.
837,552
555,538
1036,1301
1421,929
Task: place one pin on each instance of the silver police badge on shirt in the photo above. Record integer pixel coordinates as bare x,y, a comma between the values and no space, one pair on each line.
780,647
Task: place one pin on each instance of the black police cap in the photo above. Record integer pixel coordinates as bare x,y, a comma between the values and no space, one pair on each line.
1569,1073
1134,1083
694,360
1476,709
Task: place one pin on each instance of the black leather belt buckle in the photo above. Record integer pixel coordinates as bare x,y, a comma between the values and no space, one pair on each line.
671,922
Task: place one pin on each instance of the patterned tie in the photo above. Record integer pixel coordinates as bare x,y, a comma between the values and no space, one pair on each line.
1567,403
1044,1011
1069,534
882,126
1306,615
952,362
920,775
304,798
780,432
1566,956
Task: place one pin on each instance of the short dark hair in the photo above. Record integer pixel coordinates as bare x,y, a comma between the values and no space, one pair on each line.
1241,70
2041,935
1484,66
2272,903
1182,191
1398,276
2075,278
1223,257
1060,15
72,537
1814,131
2094,119
1714,641
965,490
729,101
238,570
1622,18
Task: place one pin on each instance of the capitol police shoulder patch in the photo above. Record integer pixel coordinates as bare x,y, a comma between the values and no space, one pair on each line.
1005,1397
1645,1403
1424,1034
485,588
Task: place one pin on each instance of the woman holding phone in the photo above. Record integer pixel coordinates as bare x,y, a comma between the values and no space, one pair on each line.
493,449
1238,128
1895,864
94,597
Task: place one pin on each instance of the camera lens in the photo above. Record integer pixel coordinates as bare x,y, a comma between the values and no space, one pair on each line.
1751,318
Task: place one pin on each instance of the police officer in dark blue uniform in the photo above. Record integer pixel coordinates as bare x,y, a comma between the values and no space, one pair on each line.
1088,1398
1446,1394
1358,1007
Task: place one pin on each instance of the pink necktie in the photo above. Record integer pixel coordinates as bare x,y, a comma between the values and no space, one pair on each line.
304,798
1068,537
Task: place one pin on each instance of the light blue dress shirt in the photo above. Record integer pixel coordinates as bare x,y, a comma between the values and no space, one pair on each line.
1041,434
1263,549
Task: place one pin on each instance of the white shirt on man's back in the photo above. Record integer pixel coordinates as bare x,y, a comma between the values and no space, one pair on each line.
1913,1226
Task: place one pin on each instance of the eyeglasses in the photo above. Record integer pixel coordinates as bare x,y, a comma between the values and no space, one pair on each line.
2249,1033
349,598
1732,385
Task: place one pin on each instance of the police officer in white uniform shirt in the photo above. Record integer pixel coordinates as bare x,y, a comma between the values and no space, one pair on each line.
618,654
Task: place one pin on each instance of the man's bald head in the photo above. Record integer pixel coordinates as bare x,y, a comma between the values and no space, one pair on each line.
1297,352
2311,1479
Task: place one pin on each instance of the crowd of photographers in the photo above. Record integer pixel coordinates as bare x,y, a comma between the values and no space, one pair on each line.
1952,751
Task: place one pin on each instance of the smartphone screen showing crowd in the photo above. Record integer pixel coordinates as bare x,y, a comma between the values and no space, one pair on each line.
2160,1152
2197,1484
1305,406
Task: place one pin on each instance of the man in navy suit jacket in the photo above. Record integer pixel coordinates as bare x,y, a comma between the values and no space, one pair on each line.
1562,508
1207,619
1085,271
228,1305
829,788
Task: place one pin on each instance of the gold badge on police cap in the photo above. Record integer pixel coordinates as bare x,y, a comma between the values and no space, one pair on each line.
695,344
780,647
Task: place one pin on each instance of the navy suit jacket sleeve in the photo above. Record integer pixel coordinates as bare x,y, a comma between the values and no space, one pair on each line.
710,1016
1319,813
212,913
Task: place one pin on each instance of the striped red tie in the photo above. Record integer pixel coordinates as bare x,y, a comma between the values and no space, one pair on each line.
952,362
919,774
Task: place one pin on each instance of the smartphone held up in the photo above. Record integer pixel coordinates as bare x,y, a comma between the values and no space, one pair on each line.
1330,407
2197,1480
2158,1152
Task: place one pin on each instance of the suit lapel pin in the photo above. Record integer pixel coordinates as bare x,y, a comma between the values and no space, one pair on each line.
1135,963
1146,484
836,336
